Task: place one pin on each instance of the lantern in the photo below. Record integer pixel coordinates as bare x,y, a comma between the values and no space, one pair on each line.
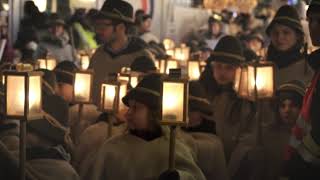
112,93
168,44
84,62
48,63
20,67
132,77
182,53
23,95
174,95
171,64
162,67
82,87
255,80
194,70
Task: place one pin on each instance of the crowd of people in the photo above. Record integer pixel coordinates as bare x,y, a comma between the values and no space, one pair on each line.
221,141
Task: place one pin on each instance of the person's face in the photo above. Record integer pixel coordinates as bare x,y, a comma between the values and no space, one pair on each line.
289,112
65,91
194,118
282,37
105,30
255,45
223,73
57,30
146,25
215,28
314,26
137,116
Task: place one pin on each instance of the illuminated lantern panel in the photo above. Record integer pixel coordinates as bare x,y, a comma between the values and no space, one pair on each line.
51,64
171,64
174,102
168,44
23,92
84,62
122,93
108,96
194,70
42,63
82,87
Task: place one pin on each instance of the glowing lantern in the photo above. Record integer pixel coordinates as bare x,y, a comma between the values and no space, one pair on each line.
112,93
194,70
174,99
82,87
182,53
23,95
84,62
48,63
171,64
168,44
255,80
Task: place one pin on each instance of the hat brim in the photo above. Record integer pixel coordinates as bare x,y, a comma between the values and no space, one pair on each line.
227,58
147,99
290,24
112,16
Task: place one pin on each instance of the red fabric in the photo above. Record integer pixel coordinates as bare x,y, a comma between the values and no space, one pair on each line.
144,5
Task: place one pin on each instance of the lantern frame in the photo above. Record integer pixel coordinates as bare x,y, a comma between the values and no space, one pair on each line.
115,107
185,82
46,62
26,75
87,72
254,94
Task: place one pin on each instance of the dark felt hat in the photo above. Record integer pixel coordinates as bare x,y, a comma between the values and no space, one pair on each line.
314,7
293,90
198,99
116,10
228,50
57,107
288,16
55,19
65,71
143,64
147,92
49,81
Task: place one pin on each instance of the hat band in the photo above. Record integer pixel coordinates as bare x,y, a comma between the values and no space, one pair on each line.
300,90
199,99
117,15
217,53
64,72
287,18
146,90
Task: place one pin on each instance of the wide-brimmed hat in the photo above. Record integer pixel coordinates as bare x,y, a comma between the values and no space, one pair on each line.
293,90
288,16
228,50
65,71
147,92
116,10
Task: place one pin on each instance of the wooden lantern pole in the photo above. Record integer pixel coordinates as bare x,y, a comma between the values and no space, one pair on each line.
22,149
172,145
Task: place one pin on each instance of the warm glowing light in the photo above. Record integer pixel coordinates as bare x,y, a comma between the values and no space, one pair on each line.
171,64
173,101
85,61
194,70
168,44
82,87
110,92
41,4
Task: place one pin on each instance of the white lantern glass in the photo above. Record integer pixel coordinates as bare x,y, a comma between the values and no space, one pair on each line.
134,80
51,63
173,102
42,63
108,94
237,78
84,62
171,64
168,44
194,70
162,66
82,87
15,95
170,52
35,94
261,77
122,93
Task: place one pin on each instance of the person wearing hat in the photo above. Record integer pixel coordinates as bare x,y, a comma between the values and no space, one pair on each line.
143,64
286,49
119,50
142,152
276,134
304,146
201,131
214,33
144,30
56,40
65,72
234,117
